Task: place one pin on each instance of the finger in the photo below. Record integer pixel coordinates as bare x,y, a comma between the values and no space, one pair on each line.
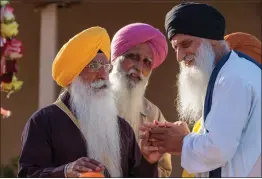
160,143
152,140
161,149
161,124
144,128
158,130
98,164
84,159
86,164
179,123
81,168
77,174
145,142
74,174
156,122
169,124
186,126
93,166
148,149
158,136
154,144
149,124
144,136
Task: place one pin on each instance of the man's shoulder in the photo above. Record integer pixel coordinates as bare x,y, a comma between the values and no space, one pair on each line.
238,70
44,113
149,105
150,108
240,66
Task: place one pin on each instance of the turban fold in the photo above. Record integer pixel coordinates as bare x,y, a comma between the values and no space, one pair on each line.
135,34
78,52
245,43
195,19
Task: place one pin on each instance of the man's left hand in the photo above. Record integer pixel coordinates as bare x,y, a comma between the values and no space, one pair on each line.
149,151
169,139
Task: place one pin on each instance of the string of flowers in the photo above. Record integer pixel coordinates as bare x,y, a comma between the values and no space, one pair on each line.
11,53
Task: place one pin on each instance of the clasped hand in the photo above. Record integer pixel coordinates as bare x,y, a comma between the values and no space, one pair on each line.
166,137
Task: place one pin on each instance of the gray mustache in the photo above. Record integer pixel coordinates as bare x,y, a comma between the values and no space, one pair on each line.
100,83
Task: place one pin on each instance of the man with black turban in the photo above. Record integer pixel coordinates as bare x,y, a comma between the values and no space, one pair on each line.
221,84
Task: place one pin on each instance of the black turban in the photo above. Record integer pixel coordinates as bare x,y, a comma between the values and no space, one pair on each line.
195,19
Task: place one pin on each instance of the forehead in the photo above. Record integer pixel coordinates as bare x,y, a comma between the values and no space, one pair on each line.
182,37
100,58
142,49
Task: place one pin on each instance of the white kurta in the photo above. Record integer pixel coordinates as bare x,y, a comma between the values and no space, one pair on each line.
234,125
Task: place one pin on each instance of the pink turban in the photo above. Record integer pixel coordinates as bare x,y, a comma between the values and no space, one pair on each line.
137,33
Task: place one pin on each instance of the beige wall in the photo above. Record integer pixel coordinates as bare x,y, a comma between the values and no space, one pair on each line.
244,17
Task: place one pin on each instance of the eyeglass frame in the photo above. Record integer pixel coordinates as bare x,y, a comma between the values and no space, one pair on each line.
108,67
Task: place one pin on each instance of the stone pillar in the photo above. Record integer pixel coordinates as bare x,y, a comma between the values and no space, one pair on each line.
48,50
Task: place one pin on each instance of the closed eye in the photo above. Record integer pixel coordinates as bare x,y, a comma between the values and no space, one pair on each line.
147,61
186,43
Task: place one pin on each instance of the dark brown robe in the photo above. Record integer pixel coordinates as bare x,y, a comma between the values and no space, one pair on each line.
51,140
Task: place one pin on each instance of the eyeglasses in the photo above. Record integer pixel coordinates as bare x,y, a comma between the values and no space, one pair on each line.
94,67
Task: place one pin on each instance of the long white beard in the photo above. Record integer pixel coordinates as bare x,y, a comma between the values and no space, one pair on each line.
192,84
97,115
128,96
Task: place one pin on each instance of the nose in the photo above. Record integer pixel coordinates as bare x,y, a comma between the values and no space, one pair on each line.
139,65
103,74
180,55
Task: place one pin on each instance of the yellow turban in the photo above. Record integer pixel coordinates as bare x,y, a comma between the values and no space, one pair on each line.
78,52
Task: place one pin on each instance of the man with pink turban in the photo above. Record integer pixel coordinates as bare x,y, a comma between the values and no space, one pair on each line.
136,50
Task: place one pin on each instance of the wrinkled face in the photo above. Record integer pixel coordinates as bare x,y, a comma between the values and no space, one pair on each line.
96,72
137,62
186,48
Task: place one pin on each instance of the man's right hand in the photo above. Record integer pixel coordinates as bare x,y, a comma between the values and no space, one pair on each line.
82,165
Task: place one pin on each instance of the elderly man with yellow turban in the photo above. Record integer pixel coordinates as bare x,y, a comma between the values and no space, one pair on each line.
221,84
81,132
136,50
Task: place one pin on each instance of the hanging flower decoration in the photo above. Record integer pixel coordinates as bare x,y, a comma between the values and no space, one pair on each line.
5,113
11,52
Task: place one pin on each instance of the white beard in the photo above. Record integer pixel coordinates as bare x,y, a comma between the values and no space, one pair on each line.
97,115
192,84
129,96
